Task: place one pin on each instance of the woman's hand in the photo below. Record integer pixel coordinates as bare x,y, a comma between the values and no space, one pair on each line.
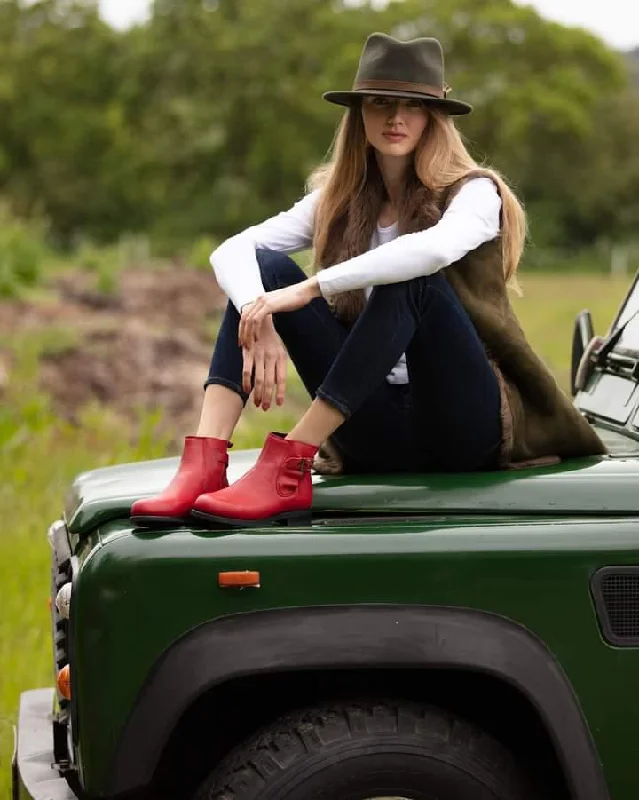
290,298
268,357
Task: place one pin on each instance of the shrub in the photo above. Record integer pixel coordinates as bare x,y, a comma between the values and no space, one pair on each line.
22,253
198,256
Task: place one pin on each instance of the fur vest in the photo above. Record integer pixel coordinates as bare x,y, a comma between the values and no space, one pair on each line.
540,424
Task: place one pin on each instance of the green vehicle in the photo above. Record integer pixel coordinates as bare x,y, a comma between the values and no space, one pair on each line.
428,637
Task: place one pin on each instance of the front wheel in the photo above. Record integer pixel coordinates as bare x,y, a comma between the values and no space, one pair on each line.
369,751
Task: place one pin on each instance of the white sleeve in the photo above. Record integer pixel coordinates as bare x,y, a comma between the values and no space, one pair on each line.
472,218
234,262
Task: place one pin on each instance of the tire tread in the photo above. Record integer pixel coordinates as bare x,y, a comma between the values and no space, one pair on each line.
244,774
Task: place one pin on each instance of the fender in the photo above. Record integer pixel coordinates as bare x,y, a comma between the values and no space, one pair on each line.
337,637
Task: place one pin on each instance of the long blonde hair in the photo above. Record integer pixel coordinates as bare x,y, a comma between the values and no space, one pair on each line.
441,159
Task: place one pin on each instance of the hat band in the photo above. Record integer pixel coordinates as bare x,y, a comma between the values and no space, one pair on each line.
400,86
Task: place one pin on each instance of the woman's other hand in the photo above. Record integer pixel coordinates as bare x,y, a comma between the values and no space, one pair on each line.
268,357
291,298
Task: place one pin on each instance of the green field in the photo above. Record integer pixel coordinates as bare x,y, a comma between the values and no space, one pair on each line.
39,455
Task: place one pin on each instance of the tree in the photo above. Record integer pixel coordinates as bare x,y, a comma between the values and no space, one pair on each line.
67,148
209,116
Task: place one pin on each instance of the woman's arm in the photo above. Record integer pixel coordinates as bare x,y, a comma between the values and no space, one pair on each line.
234,262
471,219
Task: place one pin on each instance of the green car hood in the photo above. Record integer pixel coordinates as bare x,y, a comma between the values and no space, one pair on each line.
593,486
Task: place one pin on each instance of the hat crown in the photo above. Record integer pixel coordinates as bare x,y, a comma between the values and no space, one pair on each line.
384,58
412,69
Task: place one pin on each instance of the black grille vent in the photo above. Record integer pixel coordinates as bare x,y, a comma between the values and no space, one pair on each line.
616,593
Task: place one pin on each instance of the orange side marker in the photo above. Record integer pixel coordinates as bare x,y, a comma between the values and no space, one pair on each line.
64,682
241,580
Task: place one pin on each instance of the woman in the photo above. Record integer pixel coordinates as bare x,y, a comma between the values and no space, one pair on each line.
404,336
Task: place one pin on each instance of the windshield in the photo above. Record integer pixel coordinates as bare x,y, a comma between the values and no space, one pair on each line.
629,312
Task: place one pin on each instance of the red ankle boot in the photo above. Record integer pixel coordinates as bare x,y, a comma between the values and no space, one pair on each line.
277,489
202,469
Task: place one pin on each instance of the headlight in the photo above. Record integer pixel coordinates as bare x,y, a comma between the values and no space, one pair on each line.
63,601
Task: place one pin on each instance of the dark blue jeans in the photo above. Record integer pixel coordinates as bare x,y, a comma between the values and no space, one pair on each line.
446,418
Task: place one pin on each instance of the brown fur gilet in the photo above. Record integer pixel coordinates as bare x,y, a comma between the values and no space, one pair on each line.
539,422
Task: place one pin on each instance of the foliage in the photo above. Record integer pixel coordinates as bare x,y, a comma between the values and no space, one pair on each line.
22,251
39,456
199,253
209,117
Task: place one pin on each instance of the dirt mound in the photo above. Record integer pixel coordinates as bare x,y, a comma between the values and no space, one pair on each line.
183,298
130,369
167,298
145,346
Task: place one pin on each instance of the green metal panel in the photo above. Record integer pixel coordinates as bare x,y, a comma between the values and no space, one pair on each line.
594,486
138,592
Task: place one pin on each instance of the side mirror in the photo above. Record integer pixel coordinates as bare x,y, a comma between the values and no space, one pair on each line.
582,335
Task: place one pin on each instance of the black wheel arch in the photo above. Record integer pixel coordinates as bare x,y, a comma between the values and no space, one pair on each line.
355,637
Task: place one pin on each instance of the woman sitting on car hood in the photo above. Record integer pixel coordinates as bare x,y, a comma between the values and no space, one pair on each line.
404,335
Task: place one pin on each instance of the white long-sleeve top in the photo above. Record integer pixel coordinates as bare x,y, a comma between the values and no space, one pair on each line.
472,218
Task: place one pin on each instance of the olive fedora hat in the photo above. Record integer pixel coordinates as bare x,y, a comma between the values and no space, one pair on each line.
411,69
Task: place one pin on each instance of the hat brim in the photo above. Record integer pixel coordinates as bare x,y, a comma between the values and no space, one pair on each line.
453,107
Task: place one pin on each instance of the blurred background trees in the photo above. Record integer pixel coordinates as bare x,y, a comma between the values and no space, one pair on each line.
209,117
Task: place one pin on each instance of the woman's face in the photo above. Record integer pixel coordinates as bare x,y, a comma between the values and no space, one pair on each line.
393,125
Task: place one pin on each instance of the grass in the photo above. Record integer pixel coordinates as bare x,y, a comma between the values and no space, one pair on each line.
40,454
550,304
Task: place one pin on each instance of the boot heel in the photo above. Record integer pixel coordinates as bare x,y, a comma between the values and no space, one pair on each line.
297,518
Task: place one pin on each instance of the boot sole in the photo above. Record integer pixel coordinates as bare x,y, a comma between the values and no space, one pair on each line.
289,518
153,522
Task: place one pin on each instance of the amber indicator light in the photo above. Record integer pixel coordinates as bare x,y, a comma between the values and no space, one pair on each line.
241,580
64,682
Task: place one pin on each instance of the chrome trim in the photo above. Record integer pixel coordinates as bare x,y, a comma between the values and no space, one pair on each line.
58,537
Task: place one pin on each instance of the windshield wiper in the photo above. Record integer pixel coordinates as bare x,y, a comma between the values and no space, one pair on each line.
603,353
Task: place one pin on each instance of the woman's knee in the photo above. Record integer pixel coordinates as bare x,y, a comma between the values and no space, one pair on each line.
277,269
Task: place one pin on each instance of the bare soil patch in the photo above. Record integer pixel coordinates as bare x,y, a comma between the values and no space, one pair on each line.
145,346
